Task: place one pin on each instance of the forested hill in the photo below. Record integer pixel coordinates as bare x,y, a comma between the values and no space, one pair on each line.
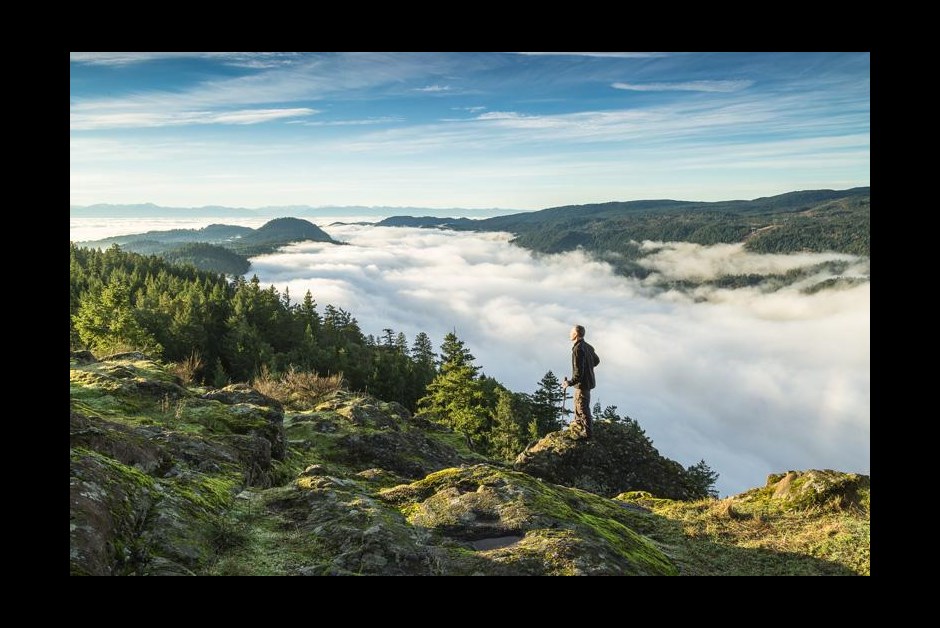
809,220
783,203
217,248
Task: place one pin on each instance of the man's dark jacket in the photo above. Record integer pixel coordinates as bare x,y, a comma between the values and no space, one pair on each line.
583,361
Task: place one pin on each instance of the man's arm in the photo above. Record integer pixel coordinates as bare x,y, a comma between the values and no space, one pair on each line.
577,368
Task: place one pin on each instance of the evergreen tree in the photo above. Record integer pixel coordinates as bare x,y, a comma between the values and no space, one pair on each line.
456,396
454,354
308,313
546,404
106,322
455,399
422,351
508,436
401,343
609,413
701,480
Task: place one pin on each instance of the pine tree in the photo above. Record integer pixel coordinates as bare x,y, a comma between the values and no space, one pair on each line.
401,343
454,354
455,399
106,322
422,351
546,404
456,396
508,436
701,480
609,413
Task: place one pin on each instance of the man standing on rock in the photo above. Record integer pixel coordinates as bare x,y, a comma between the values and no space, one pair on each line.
583,361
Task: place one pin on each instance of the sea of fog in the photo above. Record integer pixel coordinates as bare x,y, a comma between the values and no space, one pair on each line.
753,382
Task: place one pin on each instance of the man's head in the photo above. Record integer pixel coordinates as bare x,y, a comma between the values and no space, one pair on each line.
577,332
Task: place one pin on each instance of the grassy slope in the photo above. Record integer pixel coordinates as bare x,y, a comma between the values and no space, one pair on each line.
769,531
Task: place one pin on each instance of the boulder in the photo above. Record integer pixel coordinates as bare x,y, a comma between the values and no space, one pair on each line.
616,459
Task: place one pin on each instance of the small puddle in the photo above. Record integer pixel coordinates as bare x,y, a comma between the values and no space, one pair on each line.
496,542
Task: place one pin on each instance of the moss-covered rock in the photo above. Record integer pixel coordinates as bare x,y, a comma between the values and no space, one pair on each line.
250,412
154,468
109,503
553,530
827,489
617,458
361,433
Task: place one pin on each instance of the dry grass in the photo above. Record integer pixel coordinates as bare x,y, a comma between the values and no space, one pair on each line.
297,390
837,537
187,369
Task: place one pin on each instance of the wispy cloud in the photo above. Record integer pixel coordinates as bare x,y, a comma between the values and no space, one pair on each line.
351,122
607,55
688,261
434,89
254,60
686,86
742,120
311,78
126,120
502,115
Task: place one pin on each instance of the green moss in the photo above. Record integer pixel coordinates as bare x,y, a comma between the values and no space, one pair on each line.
220,418
207,492
586,533
459,443
630,545
121,472
272,546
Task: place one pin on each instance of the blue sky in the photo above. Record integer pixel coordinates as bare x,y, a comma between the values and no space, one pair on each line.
512,130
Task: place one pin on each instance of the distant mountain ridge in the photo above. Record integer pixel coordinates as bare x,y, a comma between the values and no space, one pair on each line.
151,210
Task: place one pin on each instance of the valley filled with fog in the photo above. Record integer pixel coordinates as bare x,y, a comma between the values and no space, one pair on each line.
752,381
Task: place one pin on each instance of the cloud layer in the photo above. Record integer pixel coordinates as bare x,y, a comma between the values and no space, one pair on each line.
754,383
684,260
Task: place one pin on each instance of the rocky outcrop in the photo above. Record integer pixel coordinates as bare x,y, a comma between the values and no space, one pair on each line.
479,520
360,432
814,489
617,458
154,468
528,527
